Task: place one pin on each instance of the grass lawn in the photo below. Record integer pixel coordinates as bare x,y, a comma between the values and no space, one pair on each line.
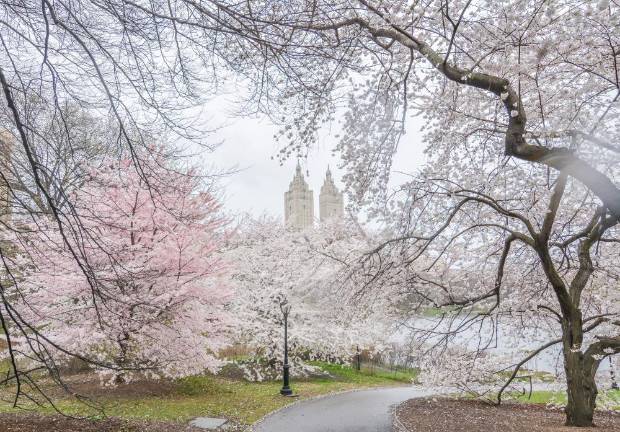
5,366
241,401
368,375
559,397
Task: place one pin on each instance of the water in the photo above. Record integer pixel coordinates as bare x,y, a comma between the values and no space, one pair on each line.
501,338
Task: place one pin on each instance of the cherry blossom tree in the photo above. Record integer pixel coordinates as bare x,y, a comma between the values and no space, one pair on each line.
152,250
517,246
101,60
536,80
532,81
271,263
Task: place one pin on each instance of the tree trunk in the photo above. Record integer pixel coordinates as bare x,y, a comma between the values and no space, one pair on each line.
581,390
121,359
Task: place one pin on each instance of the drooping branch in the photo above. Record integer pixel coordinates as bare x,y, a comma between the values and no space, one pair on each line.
595,349
519,365
495,292
516,145
36,169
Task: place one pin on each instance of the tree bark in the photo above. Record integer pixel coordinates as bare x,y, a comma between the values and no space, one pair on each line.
581,391
580,371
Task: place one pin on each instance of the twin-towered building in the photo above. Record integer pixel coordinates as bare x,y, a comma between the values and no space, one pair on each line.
299,201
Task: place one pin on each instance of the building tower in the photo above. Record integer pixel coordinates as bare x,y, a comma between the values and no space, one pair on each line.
331,203
299,202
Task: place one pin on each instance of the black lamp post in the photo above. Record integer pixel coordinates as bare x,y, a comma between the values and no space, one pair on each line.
285,307
614,384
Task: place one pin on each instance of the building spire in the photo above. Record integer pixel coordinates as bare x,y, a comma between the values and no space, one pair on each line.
299,202
331,203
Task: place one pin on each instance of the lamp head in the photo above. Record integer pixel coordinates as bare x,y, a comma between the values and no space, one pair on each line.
285,307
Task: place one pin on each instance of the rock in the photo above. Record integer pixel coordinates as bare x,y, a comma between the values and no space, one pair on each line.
208,422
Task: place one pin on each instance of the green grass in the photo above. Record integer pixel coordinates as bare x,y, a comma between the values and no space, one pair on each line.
524,375
5,366
368,375
238,400
559,397
435,312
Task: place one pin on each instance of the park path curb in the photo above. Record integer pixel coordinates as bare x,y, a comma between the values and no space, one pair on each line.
397,425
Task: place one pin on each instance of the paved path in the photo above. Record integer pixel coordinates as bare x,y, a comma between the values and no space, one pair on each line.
358,411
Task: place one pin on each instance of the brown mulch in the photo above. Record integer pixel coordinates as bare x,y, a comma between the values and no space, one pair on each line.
455,415
89,385
30,422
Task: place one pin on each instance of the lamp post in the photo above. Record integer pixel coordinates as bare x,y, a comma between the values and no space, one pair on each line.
285,307
614,384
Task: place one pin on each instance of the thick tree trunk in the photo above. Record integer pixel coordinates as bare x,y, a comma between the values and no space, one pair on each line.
581,390
580,371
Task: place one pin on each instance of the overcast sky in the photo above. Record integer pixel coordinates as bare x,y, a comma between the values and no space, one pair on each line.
259,184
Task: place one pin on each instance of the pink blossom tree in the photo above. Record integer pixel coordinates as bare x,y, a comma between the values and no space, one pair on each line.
148,245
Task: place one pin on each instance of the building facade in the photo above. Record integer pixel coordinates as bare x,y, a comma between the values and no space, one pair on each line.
331,203
299,203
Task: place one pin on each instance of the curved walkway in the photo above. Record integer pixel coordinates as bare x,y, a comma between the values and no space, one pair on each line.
357,411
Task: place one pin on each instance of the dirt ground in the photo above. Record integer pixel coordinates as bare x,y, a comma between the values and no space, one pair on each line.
89,385
451,415
30,422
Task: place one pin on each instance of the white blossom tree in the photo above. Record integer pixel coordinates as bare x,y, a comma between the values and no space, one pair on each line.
542,261
271,263
529,81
